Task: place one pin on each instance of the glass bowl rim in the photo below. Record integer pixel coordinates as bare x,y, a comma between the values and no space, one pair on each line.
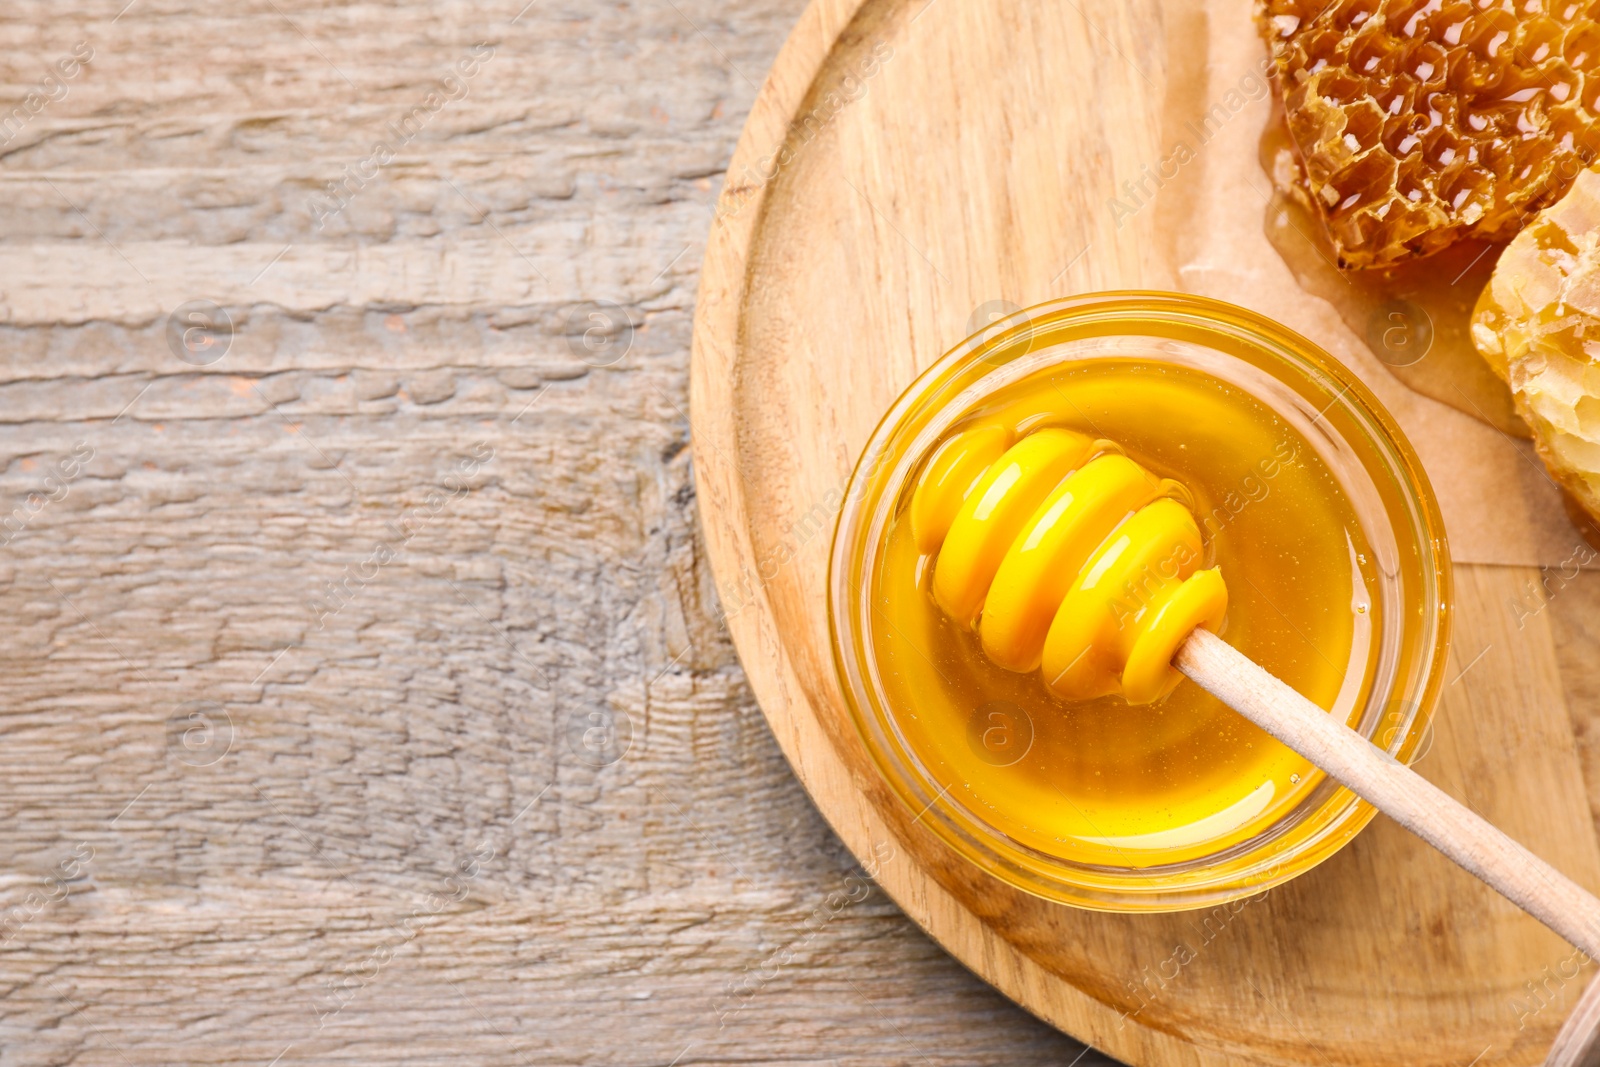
1342,815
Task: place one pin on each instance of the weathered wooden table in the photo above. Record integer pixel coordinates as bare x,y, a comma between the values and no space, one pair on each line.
365,695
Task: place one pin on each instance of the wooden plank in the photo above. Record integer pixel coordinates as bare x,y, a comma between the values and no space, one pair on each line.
280,880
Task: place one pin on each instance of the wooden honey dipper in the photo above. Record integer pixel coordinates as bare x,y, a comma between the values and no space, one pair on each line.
1068,557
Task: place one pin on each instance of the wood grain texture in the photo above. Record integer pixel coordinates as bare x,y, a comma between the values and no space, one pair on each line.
872,211
281,880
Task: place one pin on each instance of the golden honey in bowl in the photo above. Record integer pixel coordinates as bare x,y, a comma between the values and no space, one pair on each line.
1100,780
1057,502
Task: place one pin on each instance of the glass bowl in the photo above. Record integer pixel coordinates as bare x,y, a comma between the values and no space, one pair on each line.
1353,437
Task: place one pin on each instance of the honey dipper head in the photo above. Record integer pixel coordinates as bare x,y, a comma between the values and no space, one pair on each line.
1065,556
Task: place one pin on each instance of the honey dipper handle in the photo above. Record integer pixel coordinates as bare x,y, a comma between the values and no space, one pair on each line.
1394,789
1578,1043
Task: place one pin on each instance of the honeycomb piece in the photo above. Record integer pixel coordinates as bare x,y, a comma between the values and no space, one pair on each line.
1421,122
1538,324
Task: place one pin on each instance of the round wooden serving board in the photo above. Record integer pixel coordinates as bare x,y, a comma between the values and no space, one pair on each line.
909,170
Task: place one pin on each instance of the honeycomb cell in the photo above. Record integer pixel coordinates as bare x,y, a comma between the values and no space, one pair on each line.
1538,325
1422,122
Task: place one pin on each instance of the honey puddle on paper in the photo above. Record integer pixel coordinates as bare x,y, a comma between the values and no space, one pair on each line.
1414,317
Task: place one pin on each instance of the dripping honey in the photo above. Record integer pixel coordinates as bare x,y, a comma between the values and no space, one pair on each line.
1100,781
